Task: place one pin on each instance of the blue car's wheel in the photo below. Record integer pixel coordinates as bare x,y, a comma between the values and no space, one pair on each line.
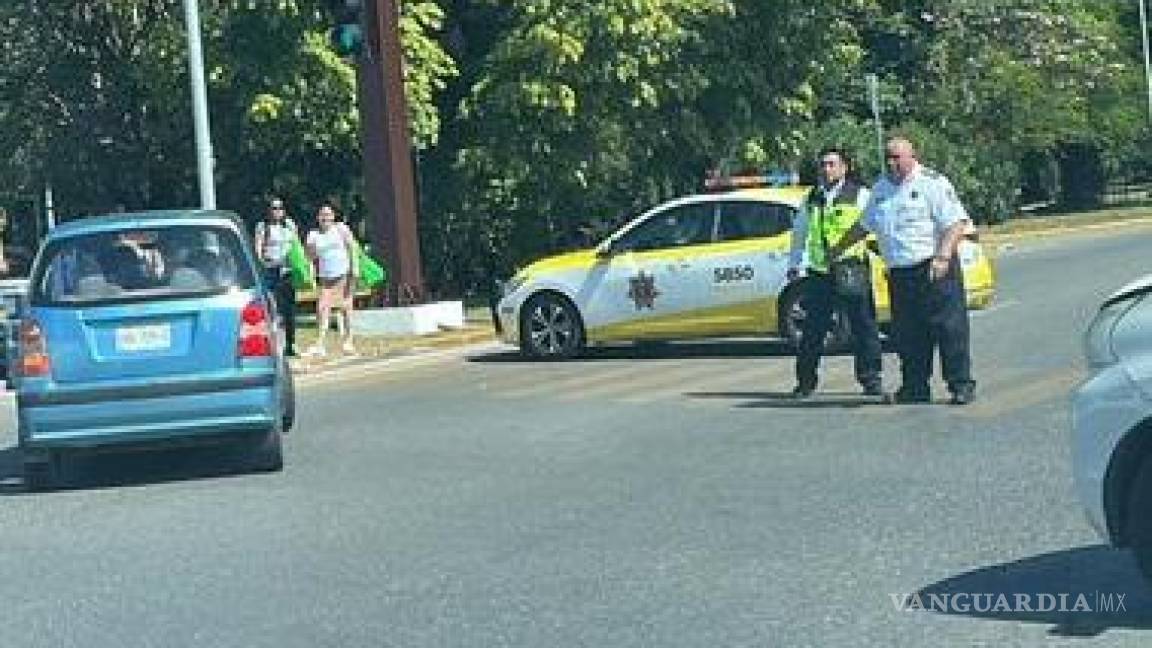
289,416
42,472
266,452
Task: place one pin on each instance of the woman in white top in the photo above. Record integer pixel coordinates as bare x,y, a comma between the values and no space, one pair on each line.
332,249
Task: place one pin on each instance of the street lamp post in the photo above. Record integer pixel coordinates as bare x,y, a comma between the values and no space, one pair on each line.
200,106
874,101
1147,64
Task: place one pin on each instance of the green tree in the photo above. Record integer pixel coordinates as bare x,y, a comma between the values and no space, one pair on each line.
1004,82
96,100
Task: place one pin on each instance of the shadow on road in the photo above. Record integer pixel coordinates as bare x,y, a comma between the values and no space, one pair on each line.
140,468
1107,578
661,351
785,400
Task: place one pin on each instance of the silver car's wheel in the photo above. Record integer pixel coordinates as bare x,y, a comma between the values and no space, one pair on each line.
1139,522
550,328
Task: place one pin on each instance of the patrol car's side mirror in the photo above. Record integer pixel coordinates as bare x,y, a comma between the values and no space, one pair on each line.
605,250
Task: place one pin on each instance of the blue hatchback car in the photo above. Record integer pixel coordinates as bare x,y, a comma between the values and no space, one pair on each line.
149,329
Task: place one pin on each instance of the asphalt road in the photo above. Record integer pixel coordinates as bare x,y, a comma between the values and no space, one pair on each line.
656,496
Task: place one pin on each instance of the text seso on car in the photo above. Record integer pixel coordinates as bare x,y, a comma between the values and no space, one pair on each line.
144,329
708,265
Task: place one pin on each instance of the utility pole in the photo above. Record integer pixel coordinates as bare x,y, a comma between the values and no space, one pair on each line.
200,106
387,160
49,208
874,100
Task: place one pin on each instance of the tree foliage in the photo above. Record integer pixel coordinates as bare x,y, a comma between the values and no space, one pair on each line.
534,118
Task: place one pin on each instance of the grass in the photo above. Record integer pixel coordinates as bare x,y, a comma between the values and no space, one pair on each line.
1054,223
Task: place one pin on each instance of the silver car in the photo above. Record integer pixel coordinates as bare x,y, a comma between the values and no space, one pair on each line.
1112,422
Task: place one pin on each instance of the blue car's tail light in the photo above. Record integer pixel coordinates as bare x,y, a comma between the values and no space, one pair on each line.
255,332
34,360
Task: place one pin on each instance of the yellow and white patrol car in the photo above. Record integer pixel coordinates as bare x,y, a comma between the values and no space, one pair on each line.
709,265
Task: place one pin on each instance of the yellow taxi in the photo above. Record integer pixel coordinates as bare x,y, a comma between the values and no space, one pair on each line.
708,265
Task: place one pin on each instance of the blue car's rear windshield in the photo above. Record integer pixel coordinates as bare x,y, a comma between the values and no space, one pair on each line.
148,263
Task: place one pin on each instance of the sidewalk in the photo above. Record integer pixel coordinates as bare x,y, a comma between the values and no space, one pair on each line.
373,349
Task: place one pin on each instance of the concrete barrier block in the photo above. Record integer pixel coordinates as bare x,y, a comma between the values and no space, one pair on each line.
421,319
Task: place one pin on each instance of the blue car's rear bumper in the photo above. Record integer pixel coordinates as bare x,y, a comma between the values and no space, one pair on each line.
176,411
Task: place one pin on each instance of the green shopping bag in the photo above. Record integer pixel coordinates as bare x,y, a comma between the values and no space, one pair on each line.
372,273
303,274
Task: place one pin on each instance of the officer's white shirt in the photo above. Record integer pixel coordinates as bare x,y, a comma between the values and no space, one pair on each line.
910,217
800,225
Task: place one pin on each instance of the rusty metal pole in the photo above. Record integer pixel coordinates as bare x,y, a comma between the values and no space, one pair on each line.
387,160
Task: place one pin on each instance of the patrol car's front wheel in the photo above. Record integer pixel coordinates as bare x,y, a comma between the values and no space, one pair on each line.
550,328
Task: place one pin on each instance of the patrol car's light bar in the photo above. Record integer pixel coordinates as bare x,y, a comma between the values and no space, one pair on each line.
774,179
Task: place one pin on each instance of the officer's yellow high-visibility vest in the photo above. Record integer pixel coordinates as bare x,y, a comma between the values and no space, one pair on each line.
828,223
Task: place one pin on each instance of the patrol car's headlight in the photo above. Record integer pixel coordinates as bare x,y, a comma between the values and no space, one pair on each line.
1098,349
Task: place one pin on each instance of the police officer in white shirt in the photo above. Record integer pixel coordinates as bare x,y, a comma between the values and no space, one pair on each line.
919,221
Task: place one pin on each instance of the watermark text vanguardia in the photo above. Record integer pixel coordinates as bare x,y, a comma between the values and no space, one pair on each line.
985,602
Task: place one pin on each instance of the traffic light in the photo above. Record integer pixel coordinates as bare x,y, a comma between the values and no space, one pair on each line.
348,33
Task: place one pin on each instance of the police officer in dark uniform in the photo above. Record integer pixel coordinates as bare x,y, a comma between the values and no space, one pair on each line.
919,222
832,209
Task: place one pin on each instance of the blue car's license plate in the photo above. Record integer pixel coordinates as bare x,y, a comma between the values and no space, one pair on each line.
144,337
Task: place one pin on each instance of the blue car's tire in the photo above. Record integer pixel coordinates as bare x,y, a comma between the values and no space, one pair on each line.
289,413
42,473
267,452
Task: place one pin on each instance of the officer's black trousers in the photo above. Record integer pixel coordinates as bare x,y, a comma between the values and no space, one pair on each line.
280,281
927,314
820,299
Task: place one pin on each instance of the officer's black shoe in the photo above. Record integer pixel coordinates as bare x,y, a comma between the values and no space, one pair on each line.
800,392
906,396
963,395
873,389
